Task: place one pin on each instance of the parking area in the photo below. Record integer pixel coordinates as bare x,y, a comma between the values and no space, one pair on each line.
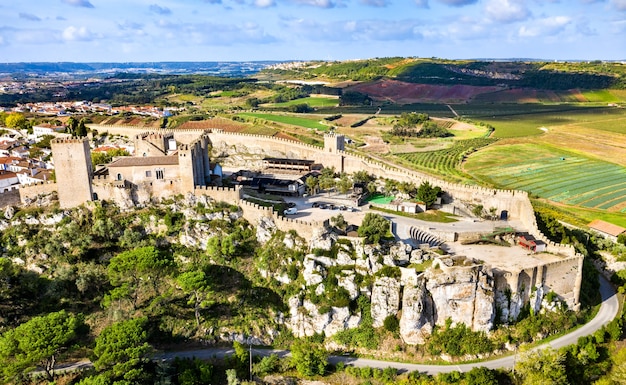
320,207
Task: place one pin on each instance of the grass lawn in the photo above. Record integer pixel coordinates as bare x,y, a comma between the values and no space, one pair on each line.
380,199
312,123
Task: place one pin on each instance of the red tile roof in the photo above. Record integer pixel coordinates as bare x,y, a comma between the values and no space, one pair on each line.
606,227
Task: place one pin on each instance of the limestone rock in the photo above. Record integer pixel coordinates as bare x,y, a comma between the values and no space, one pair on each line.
9,212
53,219
347,282
264,229
418,313
464,294
400,253
322,239
312,272
385,299
344,258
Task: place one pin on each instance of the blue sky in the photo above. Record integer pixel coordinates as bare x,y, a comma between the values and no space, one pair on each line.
233,30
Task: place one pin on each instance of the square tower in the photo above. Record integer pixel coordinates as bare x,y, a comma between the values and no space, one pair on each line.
334,142
72,164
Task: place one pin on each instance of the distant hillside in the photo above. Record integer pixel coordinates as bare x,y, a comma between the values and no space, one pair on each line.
540,75
68,68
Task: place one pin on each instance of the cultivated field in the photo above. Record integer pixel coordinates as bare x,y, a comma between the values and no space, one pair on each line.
552,173
306,122
313,101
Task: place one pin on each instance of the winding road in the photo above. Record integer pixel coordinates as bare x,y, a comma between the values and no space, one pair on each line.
608,311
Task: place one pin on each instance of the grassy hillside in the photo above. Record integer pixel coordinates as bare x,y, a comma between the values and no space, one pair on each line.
542,75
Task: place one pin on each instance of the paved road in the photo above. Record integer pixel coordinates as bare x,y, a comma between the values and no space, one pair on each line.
608,311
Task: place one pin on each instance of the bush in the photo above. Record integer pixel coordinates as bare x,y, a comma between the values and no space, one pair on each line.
392,324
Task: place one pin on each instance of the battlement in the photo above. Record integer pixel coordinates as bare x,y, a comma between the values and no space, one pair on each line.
258,136
72,140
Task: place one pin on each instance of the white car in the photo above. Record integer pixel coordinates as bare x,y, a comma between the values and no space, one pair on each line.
290,211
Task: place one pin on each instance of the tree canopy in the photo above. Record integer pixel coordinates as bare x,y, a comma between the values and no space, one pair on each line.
373,228
121,349
38,342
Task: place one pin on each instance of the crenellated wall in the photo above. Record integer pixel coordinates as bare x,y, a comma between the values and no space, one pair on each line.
31,191
254,212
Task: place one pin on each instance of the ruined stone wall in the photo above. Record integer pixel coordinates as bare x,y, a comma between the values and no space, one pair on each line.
221,194
31,191
254,212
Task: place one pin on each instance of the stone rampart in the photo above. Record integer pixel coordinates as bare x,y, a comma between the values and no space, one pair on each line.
31,191
254,212
223,194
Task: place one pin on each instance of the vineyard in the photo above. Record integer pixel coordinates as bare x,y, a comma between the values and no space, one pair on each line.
561,177
445,162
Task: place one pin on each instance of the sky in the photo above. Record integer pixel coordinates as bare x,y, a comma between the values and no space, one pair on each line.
247,30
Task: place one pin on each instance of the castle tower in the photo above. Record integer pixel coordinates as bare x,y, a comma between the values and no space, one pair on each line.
73,169
154,144
334,143
191,162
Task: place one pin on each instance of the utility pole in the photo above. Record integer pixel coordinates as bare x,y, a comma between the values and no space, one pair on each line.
250,345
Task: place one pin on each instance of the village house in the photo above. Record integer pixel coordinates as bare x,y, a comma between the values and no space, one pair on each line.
43,129
8,181
606,229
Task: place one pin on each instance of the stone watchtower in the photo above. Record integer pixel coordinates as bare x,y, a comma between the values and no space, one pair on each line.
72,164
334,143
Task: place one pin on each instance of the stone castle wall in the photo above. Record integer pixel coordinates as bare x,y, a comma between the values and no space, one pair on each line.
31,191
254,212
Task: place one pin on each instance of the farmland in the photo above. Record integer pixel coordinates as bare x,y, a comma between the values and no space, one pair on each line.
311,101
306,122
445,162
552,173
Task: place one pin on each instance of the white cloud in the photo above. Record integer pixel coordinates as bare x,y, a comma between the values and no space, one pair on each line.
548,26
507,11
316,3
72,33
355,30
619,4
264,3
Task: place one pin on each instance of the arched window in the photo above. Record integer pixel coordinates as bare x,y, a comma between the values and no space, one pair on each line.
119,176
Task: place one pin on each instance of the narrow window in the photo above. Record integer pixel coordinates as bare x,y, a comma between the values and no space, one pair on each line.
159,174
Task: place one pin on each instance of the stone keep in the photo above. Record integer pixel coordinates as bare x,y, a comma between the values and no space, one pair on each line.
72,163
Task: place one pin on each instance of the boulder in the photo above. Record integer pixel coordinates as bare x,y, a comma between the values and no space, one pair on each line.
347,282
385,299
418,313
265,229
464,294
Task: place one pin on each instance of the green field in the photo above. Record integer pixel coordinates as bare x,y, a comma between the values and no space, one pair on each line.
313,123
603,96
553,174
445,162
311,101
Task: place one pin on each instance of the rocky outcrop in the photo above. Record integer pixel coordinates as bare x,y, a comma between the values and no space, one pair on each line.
418,313
465,294
385,299
305,319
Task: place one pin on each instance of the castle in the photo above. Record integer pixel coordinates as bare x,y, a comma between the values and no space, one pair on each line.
177,162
